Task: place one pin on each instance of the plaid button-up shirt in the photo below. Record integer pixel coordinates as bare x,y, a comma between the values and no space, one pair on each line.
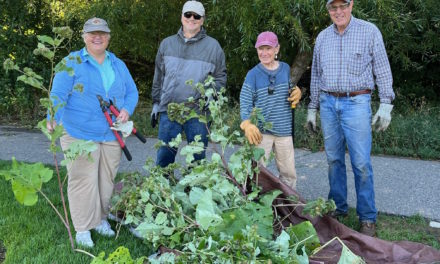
352,61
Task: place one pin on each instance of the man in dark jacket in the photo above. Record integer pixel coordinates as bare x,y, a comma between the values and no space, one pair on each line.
188,55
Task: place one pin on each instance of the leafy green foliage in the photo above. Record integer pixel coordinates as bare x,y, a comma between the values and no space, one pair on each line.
120,255
27,180
212,211
304,234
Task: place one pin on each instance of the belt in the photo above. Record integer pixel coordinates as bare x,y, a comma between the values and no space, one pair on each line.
349,94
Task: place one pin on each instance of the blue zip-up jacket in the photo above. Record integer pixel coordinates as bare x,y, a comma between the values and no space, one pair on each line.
81,115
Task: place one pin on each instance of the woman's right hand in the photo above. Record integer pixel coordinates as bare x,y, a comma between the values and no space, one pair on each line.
51,125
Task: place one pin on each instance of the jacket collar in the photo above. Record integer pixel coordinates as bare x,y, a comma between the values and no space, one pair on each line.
201,34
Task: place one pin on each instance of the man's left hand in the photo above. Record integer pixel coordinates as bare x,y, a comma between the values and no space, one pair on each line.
382,118
295,96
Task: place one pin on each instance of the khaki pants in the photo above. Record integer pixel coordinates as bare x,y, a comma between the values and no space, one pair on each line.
90,184
284,156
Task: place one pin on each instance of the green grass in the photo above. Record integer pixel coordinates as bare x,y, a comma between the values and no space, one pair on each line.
397,228
36,235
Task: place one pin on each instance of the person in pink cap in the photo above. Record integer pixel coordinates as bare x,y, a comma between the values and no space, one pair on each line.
267,86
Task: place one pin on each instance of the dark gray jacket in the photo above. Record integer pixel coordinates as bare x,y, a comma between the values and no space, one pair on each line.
178,61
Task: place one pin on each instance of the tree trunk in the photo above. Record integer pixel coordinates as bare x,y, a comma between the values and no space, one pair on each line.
299,65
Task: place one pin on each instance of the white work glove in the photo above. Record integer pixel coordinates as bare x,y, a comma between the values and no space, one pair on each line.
311,119
382,118
154,115
125,128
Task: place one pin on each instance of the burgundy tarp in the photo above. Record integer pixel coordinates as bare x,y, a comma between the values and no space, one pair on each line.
372,250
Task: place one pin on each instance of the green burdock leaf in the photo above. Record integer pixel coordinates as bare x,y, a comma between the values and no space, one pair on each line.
62,66
64,32
218,138
348,257
45,39
54,135
79,87
175,143
146,228
195,195
282,244
251,214
216,158
9,64
205,213
77,149
237,166
161,218
193,148
257,153
268,198
27,180
31,79
44,51
304,232
24,194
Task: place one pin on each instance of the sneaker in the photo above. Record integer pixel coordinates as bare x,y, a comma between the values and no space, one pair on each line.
338,215
105,229
135,233
115,218
84,239
368,228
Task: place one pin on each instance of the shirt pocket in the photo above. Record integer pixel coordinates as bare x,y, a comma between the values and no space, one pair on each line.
356,63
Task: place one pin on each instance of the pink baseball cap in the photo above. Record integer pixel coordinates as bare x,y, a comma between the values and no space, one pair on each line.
267,38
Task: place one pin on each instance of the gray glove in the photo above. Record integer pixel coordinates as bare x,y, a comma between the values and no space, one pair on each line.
125,128
311,119
154,115
382,118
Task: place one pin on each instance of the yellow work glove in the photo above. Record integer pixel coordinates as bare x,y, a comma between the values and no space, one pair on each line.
295,96
251,132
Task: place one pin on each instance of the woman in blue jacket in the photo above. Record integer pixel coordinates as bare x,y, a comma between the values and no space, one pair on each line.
99,72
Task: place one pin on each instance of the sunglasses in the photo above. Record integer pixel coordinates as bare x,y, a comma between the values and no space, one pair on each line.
191,14
271,88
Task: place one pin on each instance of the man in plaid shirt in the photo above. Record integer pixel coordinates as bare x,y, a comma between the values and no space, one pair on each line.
349,59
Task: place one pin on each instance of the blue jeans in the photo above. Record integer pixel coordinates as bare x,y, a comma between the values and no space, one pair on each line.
346,121
170,129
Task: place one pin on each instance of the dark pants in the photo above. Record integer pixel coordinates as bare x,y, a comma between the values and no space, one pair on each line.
170,129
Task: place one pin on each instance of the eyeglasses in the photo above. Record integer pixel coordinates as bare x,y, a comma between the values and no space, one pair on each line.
333,8
271,88
95,34
191,14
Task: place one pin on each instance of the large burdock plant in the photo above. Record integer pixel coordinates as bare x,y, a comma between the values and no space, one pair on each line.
27,179
213,210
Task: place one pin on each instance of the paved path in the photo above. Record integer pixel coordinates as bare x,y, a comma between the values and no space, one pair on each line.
403,186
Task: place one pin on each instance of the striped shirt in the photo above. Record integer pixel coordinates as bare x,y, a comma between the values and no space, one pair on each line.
352,61
274,107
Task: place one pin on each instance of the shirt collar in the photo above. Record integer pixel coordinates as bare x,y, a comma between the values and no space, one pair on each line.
87,56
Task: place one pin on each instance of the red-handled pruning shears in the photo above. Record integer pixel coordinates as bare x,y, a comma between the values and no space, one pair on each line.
105,106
